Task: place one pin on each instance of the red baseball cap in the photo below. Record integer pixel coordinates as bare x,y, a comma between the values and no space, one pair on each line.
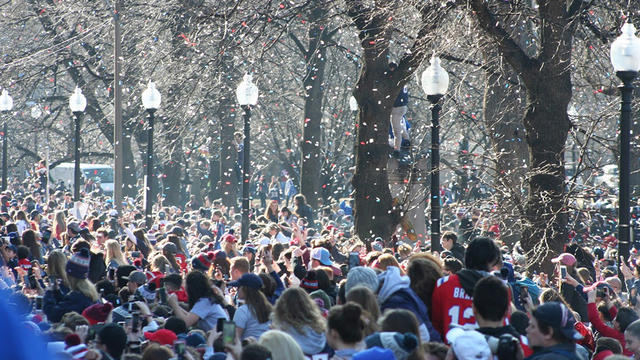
162,336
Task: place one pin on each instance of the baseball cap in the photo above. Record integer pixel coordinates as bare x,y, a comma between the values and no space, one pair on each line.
137,277
170,247
249,280
162,336
468,344
321,254
559,317
74,226
565,259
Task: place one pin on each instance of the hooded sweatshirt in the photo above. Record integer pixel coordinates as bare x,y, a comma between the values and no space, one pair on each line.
396,293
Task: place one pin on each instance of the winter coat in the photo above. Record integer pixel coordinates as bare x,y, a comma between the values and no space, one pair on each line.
55,305
396,293
556,352
575,300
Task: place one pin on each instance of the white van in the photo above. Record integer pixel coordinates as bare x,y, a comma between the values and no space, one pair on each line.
101,172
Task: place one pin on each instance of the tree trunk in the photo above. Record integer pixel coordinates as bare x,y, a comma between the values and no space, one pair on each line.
374,212
213,186
129,178
228,158
311,163
173,169
547,125
503,110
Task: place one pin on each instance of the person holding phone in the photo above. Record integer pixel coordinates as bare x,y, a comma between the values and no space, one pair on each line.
206,306
568,291
624,316
251,318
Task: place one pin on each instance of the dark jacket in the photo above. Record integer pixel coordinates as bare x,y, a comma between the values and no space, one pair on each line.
55,305
279,288
305,212
97,267
557,352
575,300
458,251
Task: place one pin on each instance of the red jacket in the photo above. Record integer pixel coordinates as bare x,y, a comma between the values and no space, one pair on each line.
603,329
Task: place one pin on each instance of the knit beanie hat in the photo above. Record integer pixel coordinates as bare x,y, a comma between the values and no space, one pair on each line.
362,276
203,261
78,264
401,345
375,353
97,313
310,281
321,296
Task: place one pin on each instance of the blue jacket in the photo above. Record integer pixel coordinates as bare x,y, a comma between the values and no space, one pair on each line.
403,98
396,293
55,305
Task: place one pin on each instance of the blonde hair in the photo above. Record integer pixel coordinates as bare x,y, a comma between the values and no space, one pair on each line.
56,266
295,309
113,252
84,286
386,260
281,345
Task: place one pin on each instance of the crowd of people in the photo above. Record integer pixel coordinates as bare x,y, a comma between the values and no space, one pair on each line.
82,280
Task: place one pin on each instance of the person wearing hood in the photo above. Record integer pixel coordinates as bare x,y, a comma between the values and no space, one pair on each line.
395,293
298,315
452,300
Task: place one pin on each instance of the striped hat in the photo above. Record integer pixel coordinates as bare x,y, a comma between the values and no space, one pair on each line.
75,347
78,265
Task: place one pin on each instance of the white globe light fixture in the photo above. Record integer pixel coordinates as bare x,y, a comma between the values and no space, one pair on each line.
247,91
353,104
151,97
625,50
6,102
435,80
77,101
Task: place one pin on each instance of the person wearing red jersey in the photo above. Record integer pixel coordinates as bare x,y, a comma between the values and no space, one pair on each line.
452,300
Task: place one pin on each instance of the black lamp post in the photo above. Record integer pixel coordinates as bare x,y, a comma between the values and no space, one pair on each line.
151,101
247,94
6,104
435,82
77,103
625,57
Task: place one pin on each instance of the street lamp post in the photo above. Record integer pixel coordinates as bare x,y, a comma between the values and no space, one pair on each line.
151,100
435,82
247,94
6,104
77,104
625,57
